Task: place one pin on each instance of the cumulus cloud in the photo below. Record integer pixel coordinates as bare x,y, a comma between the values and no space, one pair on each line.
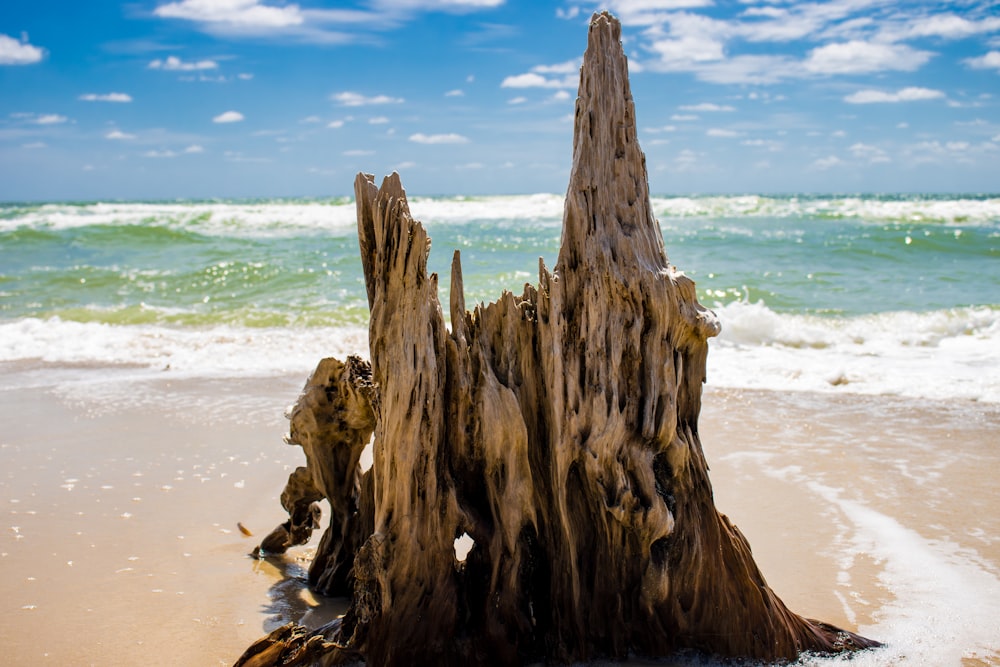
160,154
455,93
910,94
109,97
235,13
228,117
49,119
175,64
859,57
118,135
950,26
567,75
721,133
14,52
335,124
435,5
868,152
194,148
706,106
352,99
451,138
848,37
827,162
989,61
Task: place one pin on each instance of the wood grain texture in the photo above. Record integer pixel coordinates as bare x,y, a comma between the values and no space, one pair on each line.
558,428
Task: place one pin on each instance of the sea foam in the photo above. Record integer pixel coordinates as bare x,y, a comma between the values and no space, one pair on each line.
949,354
946,354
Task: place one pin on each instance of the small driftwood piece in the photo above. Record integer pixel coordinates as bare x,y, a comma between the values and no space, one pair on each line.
558,428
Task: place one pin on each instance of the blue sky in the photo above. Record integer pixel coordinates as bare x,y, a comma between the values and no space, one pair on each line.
264,98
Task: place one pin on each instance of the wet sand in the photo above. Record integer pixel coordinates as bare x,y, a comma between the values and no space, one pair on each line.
121,498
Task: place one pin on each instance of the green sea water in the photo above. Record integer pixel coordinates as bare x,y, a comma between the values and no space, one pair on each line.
792,271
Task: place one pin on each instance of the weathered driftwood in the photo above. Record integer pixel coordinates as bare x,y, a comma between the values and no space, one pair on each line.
558,428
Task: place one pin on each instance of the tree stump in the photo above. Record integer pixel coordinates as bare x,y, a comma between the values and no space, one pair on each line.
558,429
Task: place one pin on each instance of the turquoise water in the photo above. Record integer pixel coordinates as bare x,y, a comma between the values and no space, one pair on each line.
789,272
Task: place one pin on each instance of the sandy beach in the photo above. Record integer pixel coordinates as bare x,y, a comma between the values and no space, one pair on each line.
122,496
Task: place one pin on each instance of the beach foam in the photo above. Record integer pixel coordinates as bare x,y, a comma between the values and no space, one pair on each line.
953,354
944,354
968,210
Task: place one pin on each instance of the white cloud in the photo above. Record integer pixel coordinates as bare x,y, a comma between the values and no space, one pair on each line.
560,96
357,153
351,99
160,154
989,61
109,97
175,64
570,71
683,117
769,144
238,14
311,119
118,135
13,52
35,144
910,94
50,119
517,100
535,80
451,138
335,124
872,154
244,76
706,106
378,120
722,133
455,93
568,67
194,148
950,26
687,50
228,117
858,57
436,5
827,162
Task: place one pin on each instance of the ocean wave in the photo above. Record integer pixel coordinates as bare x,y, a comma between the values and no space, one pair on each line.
917,209
210,219
944,354
948,354
217,351
339,215
272,218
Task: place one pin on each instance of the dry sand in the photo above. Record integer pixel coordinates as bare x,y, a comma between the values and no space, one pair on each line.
121,500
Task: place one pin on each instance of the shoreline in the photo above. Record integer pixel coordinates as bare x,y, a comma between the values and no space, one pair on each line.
125,499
